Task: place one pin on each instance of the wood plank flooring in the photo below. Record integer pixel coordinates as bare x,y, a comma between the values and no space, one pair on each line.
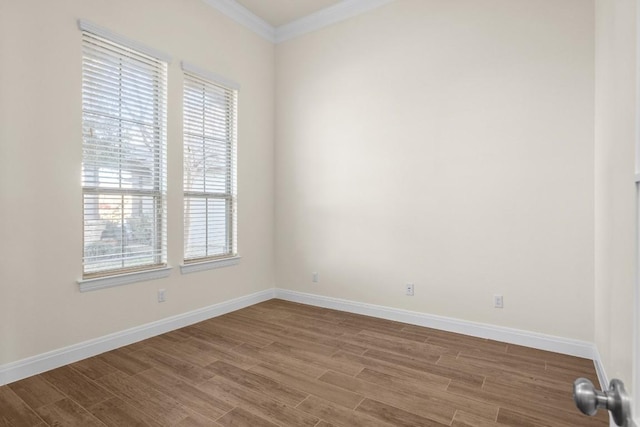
285,364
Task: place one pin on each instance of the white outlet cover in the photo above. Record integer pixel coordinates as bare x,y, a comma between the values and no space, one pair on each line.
409,289
498,301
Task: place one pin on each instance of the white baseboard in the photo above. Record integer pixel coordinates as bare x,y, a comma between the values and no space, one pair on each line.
499,333
34,365
540,341
54,359
602,375
604,385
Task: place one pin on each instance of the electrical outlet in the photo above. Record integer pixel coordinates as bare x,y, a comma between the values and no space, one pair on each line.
409,289
498,302
314,277
162,295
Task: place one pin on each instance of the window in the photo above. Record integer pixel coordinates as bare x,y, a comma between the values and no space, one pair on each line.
124,156
209,167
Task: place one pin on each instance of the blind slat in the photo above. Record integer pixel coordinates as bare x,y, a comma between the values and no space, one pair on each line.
124,158
209,122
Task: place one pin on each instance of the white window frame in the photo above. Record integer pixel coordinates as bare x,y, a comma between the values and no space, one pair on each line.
210,83
157,268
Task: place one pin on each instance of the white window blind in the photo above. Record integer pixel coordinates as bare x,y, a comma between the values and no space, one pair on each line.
209,169
124,158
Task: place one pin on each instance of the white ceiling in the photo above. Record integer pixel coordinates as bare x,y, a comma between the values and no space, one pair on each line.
280,12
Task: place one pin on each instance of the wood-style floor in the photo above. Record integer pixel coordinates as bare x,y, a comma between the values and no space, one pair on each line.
284,364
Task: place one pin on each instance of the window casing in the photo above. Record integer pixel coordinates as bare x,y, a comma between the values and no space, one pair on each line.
210,111
124,158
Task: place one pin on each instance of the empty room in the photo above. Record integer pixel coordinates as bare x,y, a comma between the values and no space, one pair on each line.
319,213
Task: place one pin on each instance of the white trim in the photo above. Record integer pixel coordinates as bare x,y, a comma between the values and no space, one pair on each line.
208,75
325,17
54,359
244,16
209,265
34,365
123,279
600,372
125,41
635,368
603,379
499,333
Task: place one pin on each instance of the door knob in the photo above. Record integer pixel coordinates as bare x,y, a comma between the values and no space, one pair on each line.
616,400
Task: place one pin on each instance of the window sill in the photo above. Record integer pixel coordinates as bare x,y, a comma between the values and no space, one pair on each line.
209,265
123,279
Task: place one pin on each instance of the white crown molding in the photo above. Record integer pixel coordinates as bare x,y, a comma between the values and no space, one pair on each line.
481,330
54,359
325,17
244,16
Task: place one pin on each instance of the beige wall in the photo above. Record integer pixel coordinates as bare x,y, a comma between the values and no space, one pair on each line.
449,144
615,125
40,156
